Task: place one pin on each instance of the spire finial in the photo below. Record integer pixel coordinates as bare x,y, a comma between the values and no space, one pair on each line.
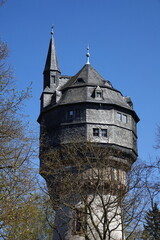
52,27
88,55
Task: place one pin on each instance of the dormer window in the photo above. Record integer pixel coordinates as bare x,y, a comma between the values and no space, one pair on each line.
98,93
80,80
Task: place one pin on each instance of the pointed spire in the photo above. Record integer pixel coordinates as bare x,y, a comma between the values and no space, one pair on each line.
51,61
88,55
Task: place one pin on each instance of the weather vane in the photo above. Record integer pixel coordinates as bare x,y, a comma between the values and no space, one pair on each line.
52,27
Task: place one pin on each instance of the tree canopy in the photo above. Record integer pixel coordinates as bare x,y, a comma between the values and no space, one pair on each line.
152,223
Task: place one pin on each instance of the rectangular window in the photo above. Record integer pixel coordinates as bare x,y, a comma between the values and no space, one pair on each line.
124,118
74,114
79,223
104,132
119,116
70,114
77,113
98,94
117,174
112,174
53,79
96,132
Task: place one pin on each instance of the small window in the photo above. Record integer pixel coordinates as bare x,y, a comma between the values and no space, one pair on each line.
70,114
98,94
134,142
74,114
96,132
112,174
124,118
117,174
80,80
53,79
119,116
80,224
104,132
77,113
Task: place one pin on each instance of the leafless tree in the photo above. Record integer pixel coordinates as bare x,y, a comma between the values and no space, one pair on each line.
92,190
2,2
22,211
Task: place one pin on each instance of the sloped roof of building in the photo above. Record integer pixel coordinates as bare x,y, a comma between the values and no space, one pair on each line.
82,86
87,76
51,61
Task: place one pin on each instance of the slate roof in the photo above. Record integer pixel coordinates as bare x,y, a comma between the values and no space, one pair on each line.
51,61
81,87
87,76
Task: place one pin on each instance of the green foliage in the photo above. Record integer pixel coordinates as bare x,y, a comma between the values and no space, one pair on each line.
152,224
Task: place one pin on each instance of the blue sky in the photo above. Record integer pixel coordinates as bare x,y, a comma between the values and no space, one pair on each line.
124,39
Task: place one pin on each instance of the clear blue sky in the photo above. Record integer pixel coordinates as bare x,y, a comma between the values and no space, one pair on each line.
124,38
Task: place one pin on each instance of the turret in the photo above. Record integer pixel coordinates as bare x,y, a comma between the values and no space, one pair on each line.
51,75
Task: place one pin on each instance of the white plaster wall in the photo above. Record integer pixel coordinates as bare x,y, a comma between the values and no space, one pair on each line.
113,216
64,222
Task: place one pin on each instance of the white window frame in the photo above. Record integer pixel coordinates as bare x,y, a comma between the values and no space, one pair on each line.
124,118
121,117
